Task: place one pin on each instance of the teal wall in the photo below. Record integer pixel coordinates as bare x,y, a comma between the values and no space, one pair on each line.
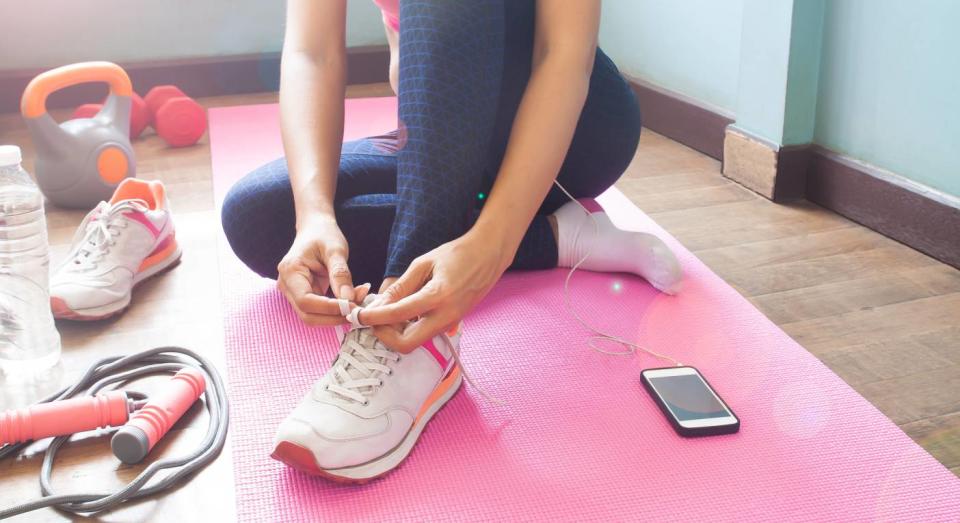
763,67
878,80
56,32
806,42
688,46
779,69
890,87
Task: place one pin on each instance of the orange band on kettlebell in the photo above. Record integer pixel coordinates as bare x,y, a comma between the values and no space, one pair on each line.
34,101
112,165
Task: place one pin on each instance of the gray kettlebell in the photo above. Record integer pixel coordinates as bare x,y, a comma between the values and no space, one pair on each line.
81,161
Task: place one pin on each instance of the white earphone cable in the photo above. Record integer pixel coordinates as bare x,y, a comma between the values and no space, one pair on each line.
598,335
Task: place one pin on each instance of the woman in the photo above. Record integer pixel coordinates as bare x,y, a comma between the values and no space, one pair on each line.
497,100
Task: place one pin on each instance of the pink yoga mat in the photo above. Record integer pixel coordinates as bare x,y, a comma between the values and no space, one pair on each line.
578,438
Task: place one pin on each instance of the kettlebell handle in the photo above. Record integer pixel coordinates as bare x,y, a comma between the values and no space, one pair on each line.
34,101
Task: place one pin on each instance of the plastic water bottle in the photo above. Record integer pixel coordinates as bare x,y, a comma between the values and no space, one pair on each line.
29,341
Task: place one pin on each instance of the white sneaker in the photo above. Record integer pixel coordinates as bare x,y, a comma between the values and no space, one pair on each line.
118,245
363,417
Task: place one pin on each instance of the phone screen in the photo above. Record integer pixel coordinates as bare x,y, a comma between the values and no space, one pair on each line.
688,397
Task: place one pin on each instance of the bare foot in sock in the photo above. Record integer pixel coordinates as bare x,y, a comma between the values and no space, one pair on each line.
613,250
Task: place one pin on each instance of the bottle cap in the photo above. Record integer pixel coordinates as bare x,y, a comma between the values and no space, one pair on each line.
10,155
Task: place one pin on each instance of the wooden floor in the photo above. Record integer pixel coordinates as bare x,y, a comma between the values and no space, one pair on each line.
881,315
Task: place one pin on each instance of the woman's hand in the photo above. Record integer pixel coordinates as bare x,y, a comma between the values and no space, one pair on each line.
438,289
317,261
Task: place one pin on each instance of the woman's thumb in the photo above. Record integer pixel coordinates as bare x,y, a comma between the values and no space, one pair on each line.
340,279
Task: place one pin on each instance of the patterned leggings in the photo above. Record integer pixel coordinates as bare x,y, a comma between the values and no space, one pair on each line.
463,70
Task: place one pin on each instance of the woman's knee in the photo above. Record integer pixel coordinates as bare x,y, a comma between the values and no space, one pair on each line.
611,112
607,134
258,218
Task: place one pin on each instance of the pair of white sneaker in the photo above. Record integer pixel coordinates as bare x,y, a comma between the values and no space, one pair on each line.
118,244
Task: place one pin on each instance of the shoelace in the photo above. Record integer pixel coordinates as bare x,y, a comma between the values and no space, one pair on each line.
360,366
377,382
102,231
463,370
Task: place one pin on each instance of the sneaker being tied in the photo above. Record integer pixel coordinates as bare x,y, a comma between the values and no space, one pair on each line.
363,417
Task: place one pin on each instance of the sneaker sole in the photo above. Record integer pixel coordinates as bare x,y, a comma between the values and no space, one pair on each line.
62,311
302,459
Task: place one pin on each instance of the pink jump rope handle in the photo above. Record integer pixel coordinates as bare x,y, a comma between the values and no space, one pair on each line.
62,418
133,442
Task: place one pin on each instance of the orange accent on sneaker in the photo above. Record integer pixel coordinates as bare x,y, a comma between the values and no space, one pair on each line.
439,391
62,311
161,253
59,307
303,460
151,192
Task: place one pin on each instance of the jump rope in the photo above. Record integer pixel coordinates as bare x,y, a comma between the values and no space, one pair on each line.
137,422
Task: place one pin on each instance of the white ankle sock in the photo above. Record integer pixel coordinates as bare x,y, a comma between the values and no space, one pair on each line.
613,250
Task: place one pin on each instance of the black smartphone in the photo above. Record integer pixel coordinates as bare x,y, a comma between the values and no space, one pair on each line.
688,401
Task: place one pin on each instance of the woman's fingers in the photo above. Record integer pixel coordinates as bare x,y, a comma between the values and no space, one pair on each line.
413,294
305,317
299,292
390,336
339,274
321,320
418,304
408,283
313,302
415,334
321,282
360,292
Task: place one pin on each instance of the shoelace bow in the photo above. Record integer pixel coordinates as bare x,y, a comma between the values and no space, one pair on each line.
102,231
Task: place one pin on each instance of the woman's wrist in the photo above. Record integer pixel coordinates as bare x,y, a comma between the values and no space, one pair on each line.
313,196
313,216
497,236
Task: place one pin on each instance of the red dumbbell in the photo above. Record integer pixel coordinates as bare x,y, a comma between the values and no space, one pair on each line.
177,118
139,114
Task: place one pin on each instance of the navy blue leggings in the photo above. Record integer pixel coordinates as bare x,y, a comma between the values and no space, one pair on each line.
463,70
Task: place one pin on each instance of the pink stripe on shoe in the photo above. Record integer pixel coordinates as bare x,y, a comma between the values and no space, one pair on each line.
162,245
140,218
432,349
590,204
